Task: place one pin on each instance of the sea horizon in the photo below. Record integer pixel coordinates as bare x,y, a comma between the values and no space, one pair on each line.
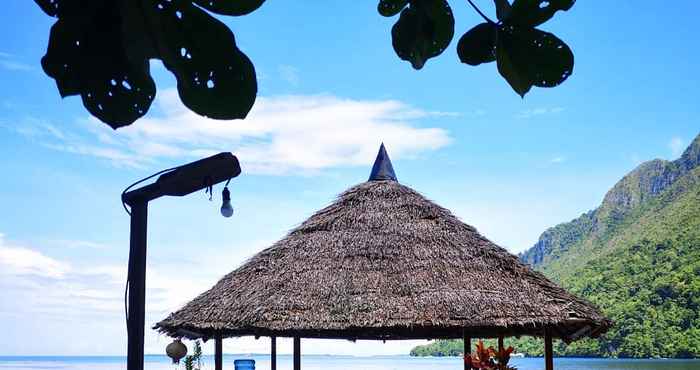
334,362
358,356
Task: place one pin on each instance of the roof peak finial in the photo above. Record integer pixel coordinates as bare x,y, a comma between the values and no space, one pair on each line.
382,170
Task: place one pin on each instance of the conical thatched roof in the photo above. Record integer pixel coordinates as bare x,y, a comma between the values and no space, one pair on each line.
383,262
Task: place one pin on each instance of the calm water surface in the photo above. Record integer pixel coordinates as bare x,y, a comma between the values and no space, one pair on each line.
338,363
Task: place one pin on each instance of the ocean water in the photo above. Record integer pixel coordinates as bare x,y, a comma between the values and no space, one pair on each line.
312,362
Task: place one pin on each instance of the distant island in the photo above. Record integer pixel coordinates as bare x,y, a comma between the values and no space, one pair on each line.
637,257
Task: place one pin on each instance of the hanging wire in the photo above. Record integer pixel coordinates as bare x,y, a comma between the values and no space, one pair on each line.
126,286
126,306
209,187
140,181
209,190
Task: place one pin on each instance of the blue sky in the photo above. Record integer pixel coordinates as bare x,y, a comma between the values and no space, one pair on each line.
331,89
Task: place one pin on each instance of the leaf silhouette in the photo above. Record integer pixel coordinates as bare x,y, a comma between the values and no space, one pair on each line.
230,7
532,13
214,78
526,56
478,45
100,50
529,57
503,9
390,8
84,58
424,30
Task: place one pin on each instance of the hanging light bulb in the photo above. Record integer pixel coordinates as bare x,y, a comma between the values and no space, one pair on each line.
226,208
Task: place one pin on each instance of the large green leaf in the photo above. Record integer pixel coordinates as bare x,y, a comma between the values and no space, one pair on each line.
63,8
85,57
423,31
230,7
137,38
214,78
478,45
532,13
529,57
390,8
100,49
503,9
50,7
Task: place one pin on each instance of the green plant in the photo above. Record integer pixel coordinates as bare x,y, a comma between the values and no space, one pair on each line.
194,361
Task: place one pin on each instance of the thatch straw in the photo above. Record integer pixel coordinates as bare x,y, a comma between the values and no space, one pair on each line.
383,262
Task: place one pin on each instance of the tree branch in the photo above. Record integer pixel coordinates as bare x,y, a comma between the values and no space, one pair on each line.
487,19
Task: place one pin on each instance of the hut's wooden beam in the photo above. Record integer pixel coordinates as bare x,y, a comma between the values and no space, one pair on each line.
548,353
218,353
273,353
500,343
297,353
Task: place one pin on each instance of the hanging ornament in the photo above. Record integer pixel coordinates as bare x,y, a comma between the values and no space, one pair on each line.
176,350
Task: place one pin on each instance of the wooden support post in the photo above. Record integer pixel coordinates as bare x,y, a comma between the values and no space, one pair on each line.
273,353
500,343
467,350
218,353
136,278
548,353
297,353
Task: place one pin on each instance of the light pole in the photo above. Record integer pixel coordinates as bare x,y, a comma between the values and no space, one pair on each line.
178,181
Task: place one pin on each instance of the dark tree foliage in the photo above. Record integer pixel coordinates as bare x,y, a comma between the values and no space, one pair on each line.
525,56
100,50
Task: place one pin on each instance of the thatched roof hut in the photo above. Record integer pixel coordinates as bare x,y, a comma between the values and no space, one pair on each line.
383,262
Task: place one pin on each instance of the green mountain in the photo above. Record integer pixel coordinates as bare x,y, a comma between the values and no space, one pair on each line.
637,257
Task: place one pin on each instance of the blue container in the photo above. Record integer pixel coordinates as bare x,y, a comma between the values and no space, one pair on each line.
244,364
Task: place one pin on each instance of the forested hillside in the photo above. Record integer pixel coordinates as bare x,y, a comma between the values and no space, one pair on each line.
637,257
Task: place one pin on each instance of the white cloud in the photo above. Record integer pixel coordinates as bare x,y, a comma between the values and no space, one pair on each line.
529,113
558,159
10,63
15,66
16,260
282,135
77,244
51,286
677,146
478,112
289,73
70,296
